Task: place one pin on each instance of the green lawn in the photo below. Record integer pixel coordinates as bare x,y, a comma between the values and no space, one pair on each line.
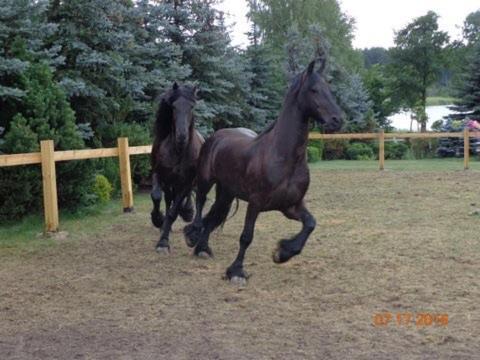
398,165
439,100
25,234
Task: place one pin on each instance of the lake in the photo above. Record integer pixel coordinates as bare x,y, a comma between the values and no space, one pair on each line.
401,120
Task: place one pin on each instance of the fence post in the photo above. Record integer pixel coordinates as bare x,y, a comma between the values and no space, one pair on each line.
50,202
381,149
466,149
125,174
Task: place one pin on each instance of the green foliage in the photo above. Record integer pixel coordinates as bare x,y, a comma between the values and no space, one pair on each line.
380,88
43,114
423,148
313,154
359,151
375,56
471,28
417,59
335,149
469,90
319,144
102,188
395,150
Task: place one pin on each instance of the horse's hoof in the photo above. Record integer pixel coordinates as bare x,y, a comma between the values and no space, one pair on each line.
191,234
186,215
238,281
280,255
162,250
204,255
157,219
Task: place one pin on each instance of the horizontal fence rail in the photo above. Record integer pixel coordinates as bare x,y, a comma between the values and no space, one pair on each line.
47,157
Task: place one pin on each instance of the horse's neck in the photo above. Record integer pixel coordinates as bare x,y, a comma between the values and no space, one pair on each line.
291,133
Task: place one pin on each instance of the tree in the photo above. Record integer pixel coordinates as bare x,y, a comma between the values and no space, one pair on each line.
296,31
375,55
469,92
105,87
275,17
43,113
379,87
471,28
416,61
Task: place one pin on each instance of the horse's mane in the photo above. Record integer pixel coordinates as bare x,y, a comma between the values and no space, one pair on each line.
163,118
292,90
163,121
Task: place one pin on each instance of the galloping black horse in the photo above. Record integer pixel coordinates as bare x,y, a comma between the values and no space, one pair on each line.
174,158
269,171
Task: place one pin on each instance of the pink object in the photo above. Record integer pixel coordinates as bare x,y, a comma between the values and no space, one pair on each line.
473,124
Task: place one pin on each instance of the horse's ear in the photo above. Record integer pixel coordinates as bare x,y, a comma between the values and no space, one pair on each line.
310,68
323,65
175,86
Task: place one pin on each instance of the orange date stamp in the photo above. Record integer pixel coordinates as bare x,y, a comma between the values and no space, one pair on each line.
407,319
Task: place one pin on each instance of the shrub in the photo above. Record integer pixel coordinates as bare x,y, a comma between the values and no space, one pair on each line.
335,149
319,144
359,151
102,188
395,150
313,154
43,113
424,148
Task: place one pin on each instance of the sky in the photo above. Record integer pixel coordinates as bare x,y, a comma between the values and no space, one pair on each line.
376,20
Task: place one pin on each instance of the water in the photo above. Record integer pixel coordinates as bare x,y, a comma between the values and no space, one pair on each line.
401,120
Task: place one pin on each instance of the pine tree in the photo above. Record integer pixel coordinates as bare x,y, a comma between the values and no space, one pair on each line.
104,86
43,113
263,99
469,93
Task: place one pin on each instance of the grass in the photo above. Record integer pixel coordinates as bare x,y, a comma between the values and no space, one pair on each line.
450,164
27,234
440,100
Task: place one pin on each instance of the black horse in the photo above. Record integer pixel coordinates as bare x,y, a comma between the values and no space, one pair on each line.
269,171
175,152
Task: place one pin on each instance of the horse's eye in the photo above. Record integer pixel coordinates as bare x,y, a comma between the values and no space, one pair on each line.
314,91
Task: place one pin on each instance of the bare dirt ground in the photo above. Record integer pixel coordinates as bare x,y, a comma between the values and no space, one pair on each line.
395,242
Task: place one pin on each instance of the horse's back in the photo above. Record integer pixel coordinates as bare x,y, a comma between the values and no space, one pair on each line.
226,154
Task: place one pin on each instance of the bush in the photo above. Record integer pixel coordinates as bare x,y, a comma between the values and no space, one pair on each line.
43,113
102,188
359,151
395,150
335,149
319,144
313,154
424,148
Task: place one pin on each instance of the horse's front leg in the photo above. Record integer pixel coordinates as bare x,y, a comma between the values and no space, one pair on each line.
289,248
235,272
156,196
163,245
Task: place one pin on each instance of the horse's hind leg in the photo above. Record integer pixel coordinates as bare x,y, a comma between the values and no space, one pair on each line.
216,216
156,196
235,272
289,248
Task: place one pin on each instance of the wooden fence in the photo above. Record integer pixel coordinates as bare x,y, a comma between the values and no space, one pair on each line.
47,157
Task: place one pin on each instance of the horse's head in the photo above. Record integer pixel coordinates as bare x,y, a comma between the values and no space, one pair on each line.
316,98
181,100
